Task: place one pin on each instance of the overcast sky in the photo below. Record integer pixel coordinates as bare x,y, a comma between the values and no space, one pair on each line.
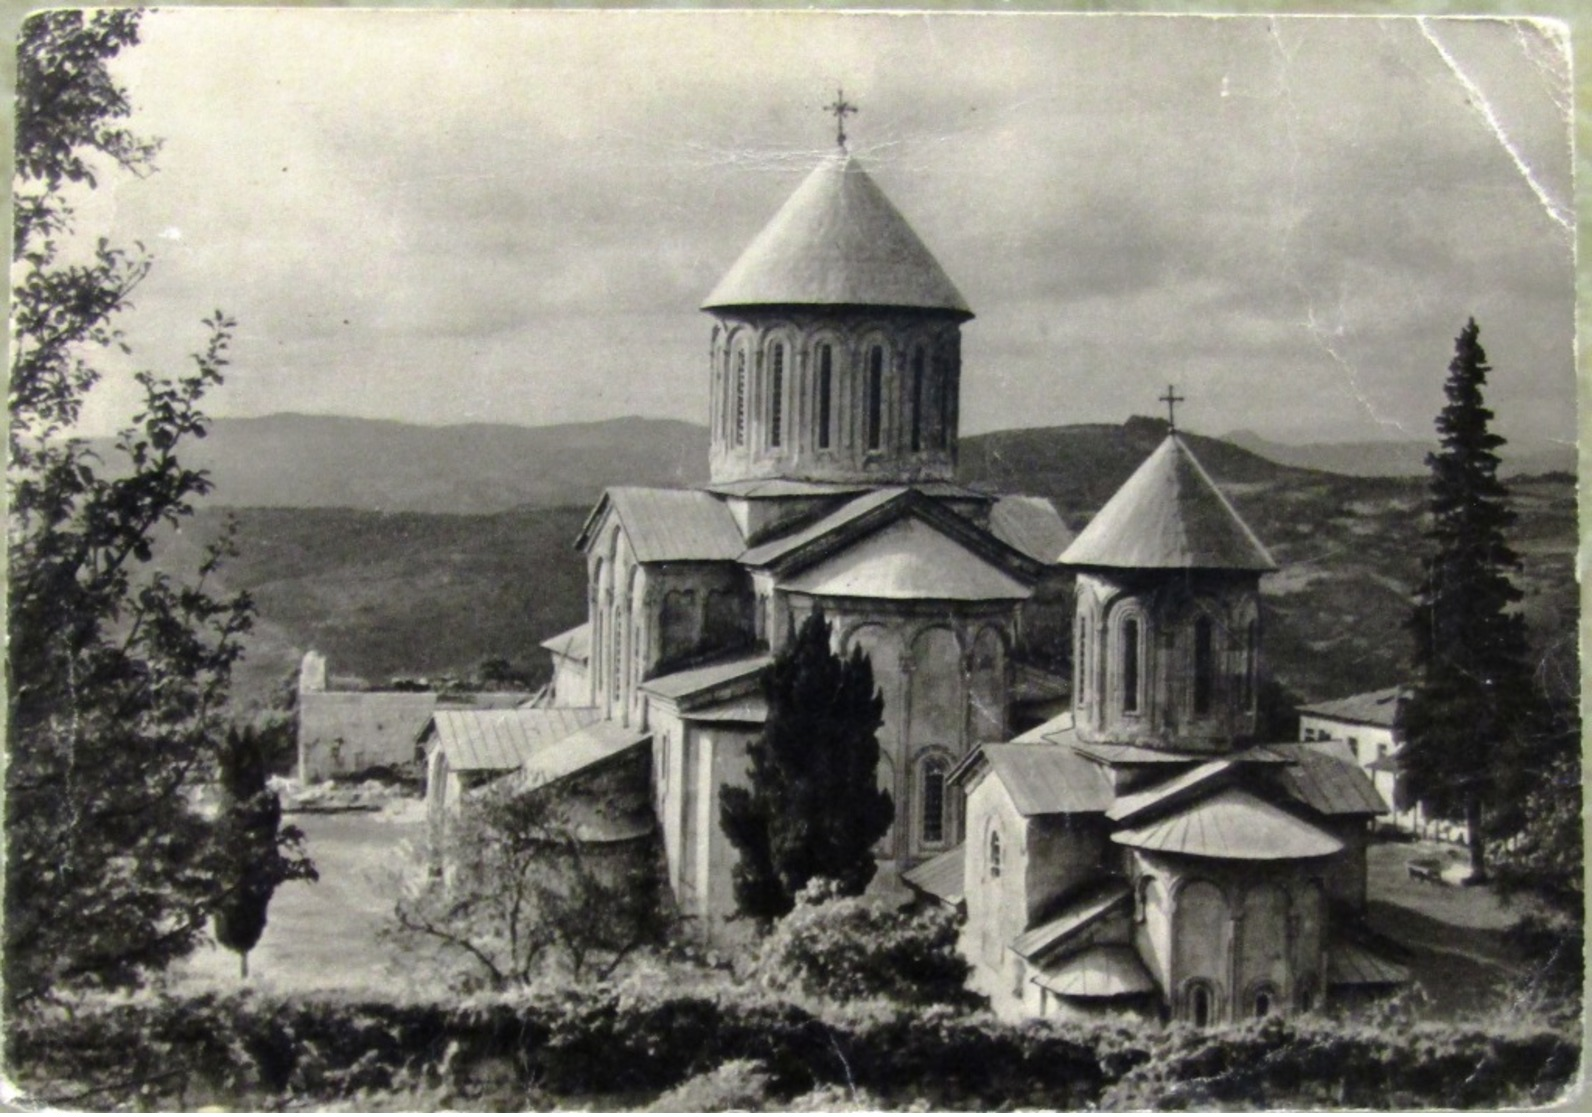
446,217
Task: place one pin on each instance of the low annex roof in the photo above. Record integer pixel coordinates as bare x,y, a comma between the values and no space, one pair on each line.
1048,779
591,745
499,740
747,708
695,680
1382,708
909,560
1106,970
1030,524
670,525
1329,784
1234,825
1078,914
573,644
1350,963
941,876
1169,516
838,241
772,551
1169,792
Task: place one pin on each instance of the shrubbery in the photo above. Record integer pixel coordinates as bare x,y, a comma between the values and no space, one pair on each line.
628,1049
845,948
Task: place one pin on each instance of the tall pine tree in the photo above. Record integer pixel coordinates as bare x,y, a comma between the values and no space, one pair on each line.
813,806
1469,715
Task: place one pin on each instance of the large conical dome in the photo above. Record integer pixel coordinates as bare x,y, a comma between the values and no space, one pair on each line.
838,241
1169,515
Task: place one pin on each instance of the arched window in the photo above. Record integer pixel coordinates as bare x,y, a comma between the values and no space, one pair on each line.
1201,1004
1080,667
776,394
942,380
1251,640
740,397
875,397
1130,665
931,800
1204,665
917,399
826,393
994,861
1264,1000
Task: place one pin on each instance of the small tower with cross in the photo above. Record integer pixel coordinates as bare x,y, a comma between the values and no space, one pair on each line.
1167,618
840,108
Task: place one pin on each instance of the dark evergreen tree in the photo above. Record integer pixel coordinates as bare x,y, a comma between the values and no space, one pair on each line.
256,852
1469,718
812,807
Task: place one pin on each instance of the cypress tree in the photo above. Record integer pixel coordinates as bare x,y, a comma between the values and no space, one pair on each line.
812,806
1469,714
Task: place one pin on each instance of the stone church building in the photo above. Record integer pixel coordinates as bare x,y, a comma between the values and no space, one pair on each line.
1137,850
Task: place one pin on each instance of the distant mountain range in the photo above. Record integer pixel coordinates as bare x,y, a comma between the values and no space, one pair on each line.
316,461
1401,459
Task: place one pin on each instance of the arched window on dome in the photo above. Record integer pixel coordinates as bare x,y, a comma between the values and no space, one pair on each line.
776,394
1130,665
740,397
1204,665
875,397
1251,642
917,399
826,393
942,380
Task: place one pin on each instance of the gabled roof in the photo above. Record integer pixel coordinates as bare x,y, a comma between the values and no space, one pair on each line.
1377,707
681,686
669,525
1079,913
1326,783
1030,524
573,644
1110,752
1171,791
941,876
1234,825
499,740
1169,516
909,560
597,742
775,550
838,241
1048,779
1107,970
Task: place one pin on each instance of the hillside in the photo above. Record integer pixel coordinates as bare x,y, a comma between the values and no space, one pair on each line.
1520,457
386,593
318,461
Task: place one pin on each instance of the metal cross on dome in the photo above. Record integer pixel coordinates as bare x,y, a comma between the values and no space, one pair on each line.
1171,399
840,109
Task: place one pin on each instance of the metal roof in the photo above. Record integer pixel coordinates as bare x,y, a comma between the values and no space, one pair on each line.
941,876
838,241
1377,707
1169,516
597,742
1059,730
1030,524
1233,825
1110,753
1078,914
776,549
671,525
1097,971
1352,964
695,680
573,644
1169,792
909,560
499,740
1049,779
1333,785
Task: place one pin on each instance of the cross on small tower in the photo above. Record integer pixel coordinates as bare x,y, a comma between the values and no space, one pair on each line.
1171,399
840,109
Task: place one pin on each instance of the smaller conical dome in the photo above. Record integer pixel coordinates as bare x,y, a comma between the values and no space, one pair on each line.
838,241
1169,515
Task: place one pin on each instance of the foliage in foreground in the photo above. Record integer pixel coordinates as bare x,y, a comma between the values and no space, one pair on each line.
812,806
625,1049
118,673
844,948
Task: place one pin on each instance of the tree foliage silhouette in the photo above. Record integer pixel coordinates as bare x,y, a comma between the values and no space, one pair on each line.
812,807
118,671
1469,719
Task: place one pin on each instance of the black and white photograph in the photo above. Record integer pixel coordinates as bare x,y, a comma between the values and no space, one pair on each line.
707,561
